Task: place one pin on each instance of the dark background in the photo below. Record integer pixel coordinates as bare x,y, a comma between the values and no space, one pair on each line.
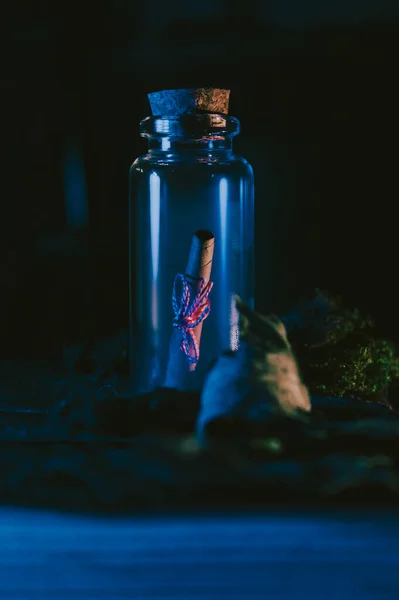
315,87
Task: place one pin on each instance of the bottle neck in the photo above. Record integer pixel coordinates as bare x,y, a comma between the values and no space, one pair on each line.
200,133
178,145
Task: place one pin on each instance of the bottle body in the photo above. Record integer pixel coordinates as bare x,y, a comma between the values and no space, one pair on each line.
182,186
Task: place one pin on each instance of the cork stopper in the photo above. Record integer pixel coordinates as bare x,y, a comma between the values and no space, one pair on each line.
174,103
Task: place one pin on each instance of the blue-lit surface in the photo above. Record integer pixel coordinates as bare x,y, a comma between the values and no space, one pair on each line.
53,556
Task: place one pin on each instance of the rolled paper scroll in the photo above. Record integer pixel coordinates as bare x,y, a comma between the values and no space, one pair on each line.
191,307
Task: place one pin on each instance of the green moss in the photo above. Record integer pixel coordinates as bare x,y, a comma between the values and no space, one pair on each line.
347,359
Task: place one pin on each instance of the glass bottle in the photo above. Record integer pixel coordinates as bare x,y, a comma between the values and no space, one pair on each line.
191,228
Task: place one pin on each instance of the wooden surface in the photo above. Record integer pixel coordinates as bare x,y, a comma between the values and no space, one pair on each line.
54,556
